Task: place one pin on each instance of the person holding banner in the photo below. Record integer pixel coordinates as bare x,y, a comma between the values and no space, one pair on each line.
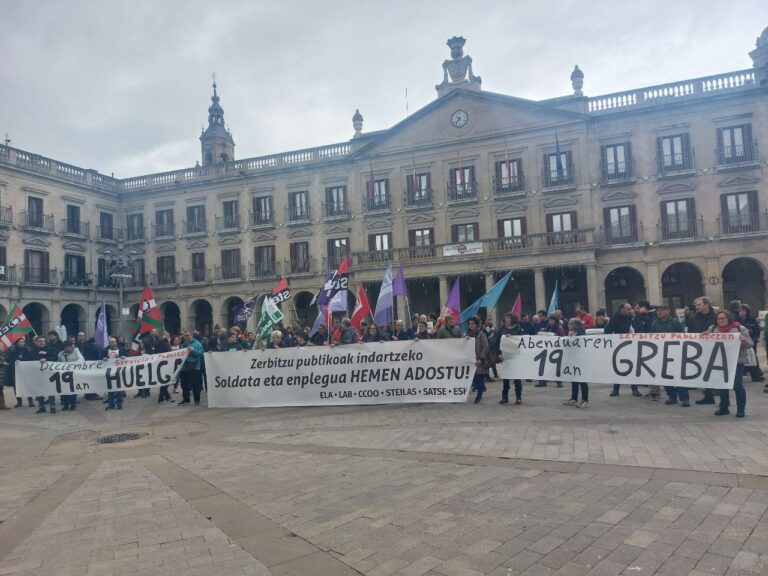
482,356
114,350
191,374
725,323
511,327
701,320
576,328
69,354
41,353
665,323
621,323
14,354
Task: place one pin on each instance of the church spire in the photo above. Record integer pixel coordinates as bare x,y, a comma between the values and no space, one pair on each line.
218,146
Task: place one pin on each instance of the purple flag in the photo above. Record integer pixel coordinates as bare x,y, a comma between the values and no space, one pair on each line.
100,335
384,306
398,286
321,319
452,306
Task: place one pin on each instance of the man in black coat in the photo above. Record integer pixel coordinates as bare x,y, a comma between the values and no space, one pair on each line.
702,319
621,323
42,351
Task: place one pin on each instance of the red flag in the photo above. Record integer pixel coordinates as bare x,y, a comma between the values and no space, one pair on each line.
281,292
15,328
147,318
517,307
362,309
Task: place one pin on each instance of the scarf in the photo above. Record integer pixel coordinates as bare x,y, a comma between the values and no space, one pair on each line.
729,328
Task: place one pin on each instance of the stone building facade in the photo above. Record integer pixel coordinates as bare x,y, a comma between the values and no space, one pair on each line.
654,193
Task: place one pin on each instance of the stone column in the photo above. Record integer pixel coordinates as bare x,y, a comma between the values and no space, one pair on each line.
489,282
443,290
653,279
540,289
593,300
713,282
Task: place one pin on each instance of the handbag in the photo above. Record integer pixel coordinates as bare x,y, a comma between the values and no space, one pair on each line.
751,357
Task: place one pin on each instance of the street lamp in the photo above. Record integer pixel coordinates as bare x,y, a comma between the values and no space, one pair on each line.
121,270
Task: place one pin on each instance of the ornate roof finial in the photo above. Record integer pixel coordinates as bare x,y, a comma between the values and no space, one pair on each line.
577,81
357,123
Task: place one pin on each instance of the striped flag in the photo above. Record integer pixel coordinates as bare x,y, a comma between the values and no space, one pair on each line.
17,327
147,319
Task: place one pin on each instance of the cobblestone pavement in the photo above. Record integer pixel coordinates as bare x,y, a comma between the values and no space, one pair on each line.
626,486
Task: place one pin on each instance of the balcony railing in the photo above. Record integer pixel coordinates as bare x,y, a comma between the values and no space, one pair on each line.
36,221
675,163
462,192
739,155
229,272
373,257
262,270
163,230
565,237
565,178
417,197
228,223
71,278
616,172
504,186
76,228
109,233
380,204
334,260
336,209
746,223
6,216
135,234
8,274
106,281
196,276
511,243
684,229
260,219
297,214
194,227
39,276
617,235
165,278
302,265
414,253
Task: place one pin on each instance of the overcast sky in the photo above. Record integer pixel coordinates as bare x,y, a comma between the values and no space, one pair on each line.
124,87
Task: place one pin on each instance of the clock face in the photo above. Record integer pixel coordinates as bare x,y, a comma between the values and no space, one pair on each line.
459,118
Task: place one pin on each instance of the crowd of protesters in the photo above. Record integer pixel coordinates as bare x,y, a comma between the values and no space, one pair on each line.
702,316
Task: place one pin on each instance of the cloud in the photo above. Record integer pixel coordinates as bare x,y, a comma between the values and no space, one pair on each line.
124,87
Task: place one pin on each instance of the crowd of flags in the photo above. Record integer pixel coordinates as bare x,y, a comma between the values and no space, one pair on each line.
331,297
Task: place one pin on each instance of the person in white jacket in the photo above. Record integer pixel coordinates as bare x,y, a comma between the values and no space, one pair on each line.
69,353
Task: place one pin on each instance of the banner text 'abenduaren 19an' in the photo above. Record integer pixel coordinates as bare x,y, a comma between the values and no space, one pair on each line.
376,373
689,360
35,378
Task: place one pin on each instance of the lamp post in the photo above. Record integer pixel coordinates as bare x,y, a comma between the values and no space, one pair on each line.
121,270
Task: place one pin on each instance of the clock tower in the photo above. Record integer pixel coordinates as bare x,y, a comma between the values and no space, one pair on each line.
216,140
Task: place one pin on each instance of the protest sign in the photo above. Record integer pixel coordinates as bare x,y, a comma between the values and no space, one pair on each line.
35,378
689,360
376,373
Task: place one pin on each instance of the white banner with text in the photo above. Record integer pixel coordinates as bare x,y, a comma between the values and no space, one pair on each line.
36,378
376,373
688,360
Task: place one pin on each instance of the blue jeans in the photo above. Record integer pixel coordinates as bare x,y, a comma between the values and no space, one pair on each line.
505,389
738,391
115,399
677,393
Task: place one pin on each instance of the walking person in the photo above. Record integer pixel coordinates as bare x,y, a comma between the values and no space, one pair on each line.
191,375
621,323
69,353
576,328
510,327
482,355
725,323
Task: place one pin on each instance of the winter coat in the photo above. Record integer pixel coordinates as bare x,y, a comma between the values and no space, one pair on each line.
619,324
668,326
700,323
482,350
746,345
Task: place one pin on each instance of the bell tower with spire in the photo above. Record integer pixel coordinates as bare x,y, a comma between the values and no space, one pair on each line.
217,143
